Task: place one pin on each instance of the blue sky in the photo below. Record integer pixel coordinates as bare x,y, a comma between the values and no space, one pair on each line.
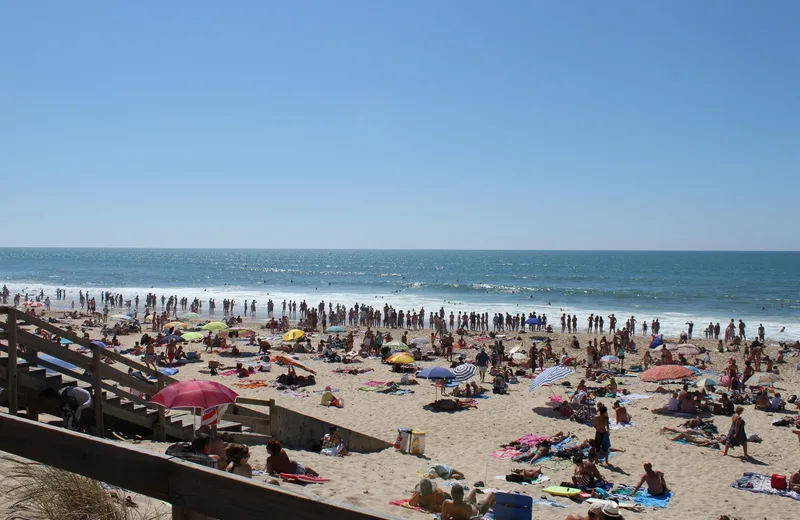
414,124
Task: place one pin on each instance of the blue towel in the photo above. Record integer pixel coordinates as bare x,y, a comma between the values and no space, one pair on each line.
758,483
643,497
57,362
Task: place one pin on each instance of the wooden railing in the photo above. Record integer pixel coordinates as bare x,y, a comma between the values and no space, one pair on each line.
187,486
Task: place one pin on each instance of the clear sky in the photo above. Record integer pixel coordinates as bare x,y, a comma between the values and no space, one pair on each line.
407,124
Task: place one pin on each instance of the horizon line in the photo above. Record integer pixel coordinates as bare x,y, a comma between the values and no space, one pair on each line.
410,249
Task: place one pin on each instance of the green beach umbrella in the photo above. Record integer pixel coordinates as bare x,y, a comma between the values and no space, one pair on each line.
397,346
190,316
193,336
215,325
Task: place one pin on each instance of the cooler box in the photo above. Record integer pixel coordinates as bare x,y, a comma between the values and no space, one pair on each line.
403,442
778,481
512,506
417,443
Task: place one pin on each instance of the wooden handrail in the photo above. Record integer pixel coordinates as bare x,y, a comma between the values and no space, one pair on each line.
185,485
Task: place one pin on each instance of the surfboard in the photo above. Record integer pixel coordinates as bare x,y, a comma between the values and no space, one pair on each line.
623,505
291,477
560,491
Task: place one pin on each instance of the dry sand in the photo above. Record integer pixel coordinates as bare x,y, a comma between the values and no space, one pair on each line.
700,477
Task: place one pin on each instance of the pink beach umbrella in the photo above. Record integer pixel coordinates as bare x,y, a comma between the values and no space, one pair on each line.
195,394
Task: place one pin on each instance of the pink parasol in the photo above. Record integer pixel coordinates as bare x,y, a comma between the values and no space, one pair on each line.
666,373
194,394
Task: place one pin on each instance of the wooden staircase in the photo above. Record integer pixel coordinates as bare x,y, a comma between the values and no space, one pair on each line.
123,399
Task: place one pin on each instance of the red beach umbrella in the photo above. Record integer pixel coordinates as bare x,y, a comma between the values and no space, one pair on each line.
666,373
194,394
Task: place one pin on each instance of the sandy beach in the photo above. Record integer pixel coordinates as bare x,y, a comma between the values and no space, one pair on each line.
700,477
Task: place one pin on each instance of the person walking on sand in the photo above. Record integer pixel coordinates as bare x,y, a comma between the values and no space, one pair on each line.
737,436
602,439
482,360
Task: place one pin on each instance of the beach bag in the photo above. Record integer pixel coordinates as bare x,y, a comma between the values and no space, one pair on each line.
778,481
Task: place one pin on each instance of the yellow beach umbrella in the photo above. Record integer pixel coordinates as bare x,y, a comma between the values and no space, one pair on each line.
179,324
215,325
400,359
293,334
193,336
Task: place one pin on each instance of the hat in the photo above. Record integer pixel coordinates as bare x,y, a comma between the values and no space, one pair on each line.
425,487
611,509
596,508
328,388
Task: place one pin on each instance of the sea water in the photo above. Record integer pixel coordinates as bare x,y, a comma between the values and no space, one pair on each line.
757,287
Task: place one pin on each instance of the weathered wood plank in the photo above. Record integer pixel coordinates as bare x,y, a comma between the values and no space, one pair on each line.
13,385
181,483
97,387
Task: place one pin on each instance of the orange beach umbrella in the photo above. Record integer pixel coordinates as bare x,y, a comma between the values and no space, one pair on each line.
286,360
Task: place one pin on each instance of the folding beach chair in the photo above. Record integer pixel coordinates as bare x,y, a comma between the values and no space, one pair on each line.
513,506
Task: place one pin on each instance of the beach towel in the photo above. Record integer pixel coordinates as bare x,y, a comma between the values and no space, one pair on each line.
404,503
684,441
758,483
539,480
232,372
398,392
294,394
505,453
375,383
614,425
643,497
253,384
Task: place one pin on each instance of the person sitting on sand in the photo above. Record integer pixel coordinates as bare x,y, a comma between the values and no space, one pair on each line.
656,484
408,379
239,456
586,473
459,508
777,403
500,386
428,496
726,406
332,443
328,399
611,388
445,472
623,417
278,462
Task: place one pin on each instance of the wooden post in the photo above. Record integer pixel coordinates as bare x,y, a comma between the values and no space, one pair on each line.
13,389
30,410
160,431
97,387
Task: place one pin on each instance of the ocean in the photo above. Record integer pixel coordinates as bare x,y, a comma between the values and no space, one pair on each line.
757,287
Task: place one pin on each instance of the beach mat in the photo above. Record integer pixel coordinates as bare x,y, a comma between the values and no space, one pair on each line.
642,497
759,483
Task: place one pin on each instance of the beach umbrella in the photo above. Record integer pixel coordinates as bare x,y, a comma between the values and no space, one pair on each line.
550,375
194,394
658,340
762,378
215,325
293,335
436,373
400,358
99,343
240,330
397,346
483,338
533,321
519,356
190,316
286,360
171,337
120,317
609,359
193,336
464,372
688,350
706,381
666,373
178,324
335,328
32,304
420,341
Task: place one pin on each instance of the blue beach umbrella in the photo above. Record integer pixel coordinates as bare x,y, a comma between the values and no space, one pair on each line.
335,328
533,321
171,337
657,341
436,373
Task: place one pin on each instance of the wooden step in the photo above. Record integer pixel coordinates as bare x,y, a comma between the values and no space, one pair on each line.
38,372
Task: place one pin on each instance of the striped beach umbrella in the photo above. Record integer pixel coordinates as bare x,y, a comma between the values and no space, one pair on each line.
464,372
550,375
609,359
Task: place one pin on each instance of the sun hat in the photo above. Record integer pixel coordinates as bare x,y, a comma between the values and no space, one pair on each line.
328,388
596,508
425,487
611,509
